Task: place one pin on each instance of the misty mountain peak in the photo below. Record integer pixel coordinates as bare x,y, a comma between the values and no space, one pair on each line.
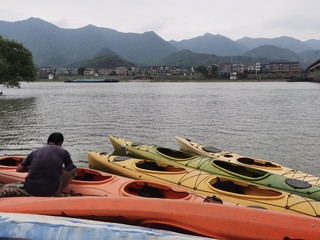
54,46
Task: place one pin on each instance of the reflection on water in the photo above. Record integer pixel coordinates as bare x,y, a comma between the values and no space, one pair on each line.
17,116
276,121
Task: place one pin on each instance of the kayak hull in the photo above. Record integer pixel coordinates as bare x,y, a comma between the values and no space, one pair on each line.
211,220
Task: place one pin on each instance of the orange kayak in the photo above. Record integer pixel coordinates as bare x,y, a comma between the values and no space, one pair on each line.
211,220
89,182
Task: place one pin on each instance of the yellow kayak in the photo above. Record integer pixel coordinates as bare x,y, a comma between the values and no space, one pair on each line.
223,189
269,166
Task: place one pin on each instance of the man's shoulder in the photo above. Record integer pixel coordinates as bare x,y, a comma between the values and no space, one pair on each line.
51,149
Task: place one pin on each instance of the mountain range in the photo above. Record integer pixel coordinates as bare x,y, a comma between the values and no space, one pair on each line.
59,47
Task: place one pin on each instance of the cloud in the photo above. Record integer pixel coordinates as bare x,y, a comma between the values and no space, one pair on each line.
61,22
178,19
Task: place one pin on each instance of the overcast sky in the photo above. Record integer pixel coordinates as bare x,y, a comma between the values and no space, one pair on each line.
178,19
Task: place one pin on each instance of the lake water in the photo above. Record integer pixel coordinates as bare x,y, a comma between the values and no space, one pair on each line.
278,121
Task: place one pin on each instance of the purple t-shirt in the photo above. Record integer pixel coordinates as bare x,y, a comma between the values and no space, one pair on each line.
46,164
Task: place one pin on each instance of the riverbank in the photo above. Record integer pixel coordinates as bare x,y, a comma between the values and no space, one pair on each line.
186,78
166,79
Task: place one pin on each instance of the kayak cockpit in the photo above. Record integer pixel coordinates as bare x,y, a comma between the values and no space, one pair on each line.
178,155
154,166
231,187
11,161
255,162
152,190
240,170
89,175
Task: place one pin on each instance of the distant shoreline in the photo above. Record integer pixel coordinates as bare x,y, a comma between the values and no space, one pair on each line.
300,77
184,80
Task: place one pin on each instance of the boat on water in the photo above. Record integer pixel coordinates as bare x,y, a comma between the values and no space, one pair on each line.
39,227
219,168
92,81
265,165
204,219
226,190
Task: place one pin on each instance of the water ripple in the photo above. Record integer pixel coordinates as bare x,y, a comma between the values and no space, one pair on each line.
276,121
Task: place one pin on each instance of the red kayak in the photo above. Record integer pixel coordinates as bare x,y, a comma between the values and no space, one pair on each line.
212,220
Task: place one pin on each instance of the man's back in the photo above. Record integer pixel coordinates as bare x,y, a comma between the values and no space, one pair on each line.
45,168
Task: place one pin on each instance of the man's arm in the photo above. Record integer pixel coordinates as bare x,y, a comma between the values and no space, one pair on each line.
26,162
21,168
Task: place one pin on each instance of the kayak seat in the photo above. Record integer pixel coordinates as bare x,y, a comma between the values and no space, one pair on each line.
84,177
150,192
148,165
228,186
146,190
90,177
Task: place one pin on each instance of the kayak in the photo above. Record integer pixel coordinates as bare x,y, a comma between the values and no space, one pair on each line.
227,190
39,227
269,166
10,161
209,220
89,182
220,168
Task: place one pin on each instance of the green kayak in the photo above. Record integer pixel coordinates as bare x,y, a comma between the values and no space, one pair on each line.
215,166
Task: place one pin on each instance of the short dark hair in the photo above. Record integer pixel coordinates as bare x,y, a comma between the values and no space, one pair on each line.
56,138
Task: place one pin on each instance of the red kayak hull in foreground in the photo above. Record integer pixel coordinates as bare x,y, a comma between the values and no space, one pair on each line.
211,220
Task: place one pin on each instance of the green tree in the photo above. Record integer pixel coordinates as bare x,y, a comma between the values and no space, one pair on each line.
16,63
81,71
202,69
208,71
214,71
